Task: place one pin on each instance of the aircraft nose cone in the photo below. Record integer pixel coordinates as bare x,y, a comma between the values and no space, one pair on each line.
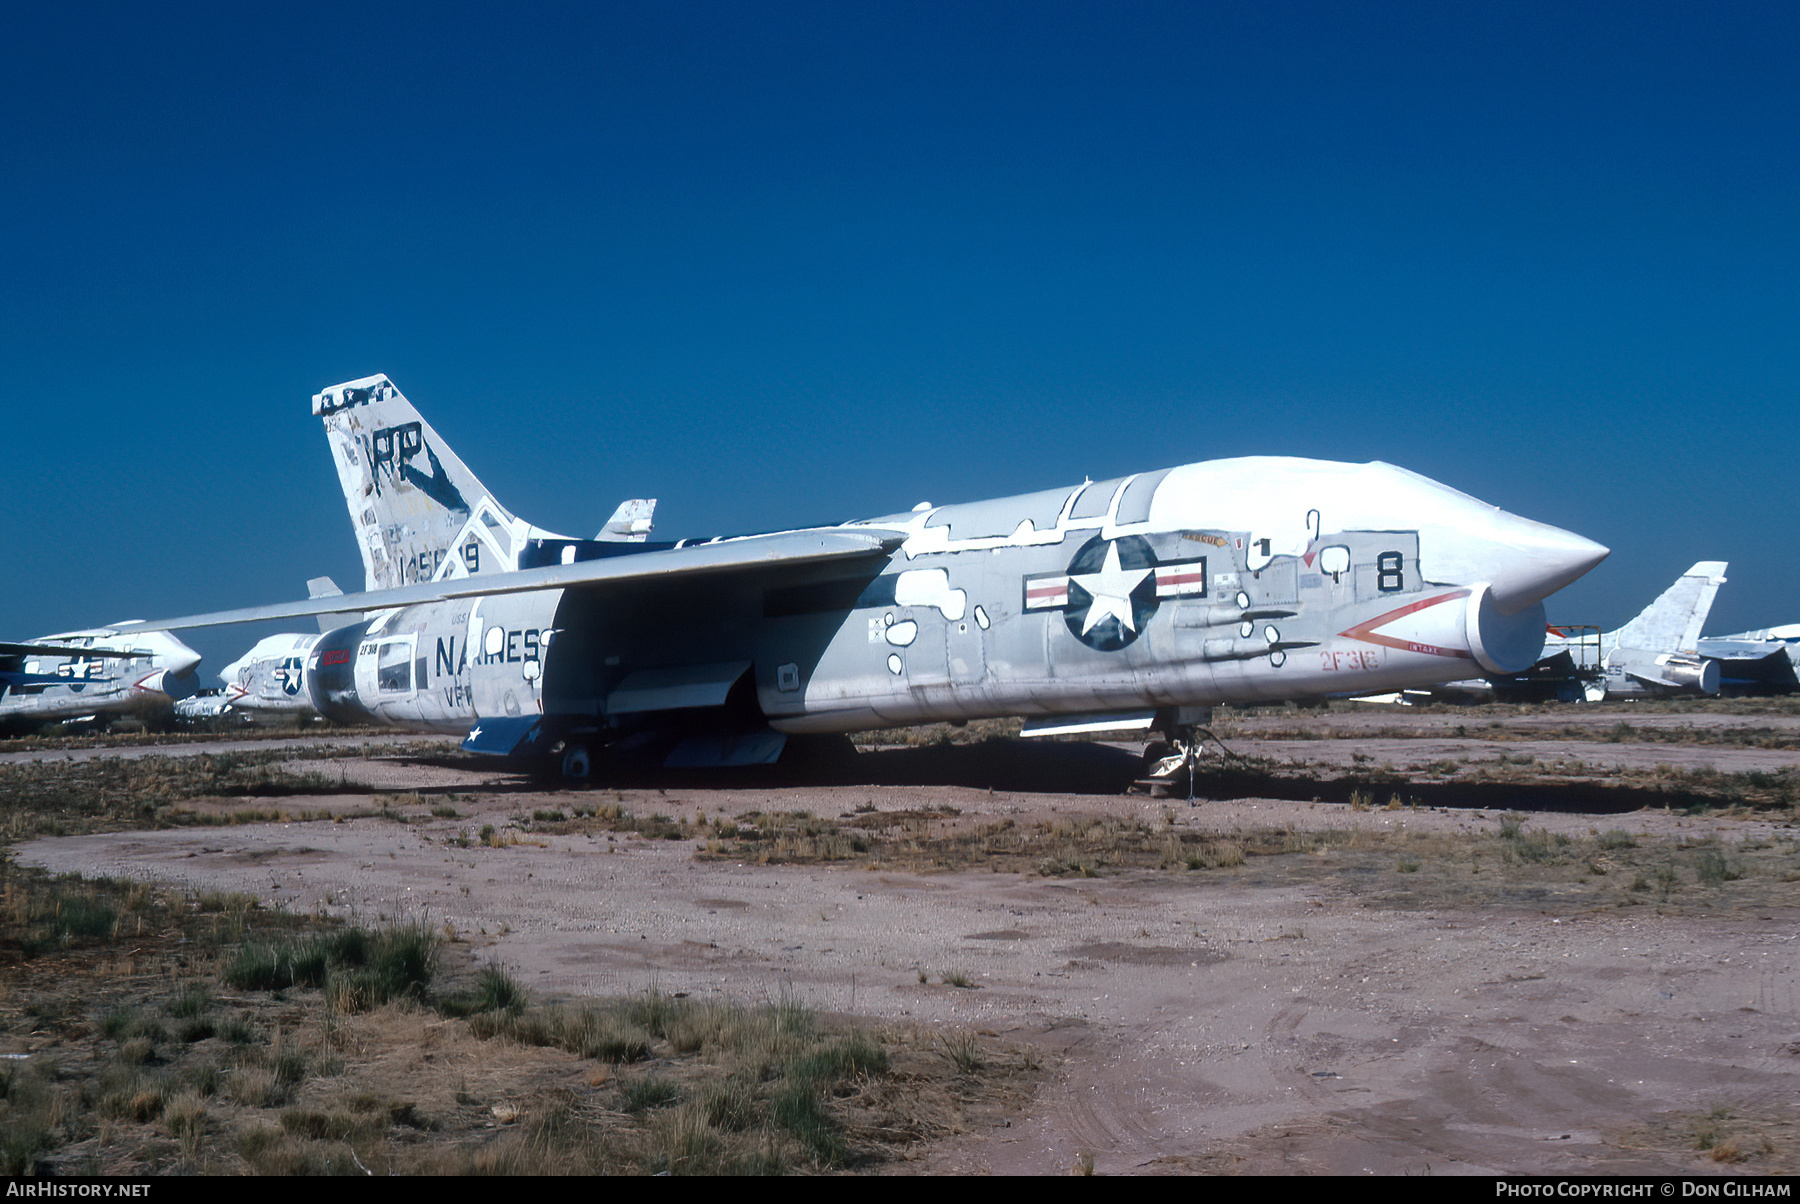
1534,560
1464,539
179,660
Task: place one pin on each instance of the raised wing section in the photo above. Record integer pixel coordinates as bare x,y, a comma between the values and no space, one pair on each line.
64,650
744,554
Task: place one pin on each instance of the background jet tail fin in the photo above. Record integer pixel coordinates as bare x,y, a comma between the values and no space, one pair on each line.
325,587
418,512
1672,623
631,522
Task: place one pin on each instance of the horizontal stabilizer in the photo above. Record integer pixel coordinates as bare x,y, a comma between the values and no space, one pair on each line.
503,737
325,587
750,553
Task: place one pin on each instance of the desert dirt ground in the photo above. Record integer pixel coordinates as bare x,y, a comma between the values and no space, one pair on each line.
1326,1011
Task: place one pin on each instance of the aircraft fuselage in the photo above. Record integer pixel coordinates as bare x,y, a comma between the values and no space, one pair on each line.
1108,596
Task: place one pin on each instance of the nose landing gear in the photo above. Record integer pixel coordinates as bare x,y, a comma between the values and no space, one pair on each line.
1171,764
576,763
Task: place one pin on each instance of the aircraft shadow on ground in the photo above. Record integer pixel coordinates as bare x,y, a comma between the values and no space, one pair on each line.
1055,767
1585,798
1012,765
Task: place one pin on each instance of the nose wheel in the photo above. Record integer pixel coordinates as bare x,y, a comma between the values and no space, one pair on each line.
1172,764
576,763
1169,765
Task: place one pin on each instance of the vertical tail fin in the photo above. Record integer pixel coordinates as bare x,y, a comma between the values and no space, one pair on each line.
325,587
1672,623
631,522
418,512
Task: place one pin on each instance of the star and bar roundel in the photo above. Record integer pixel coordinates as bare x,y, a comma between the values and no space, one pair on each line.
1112,589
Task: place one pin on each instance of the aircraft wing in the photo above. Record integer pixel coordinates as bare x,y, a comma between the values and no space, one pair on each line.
745,554
65,650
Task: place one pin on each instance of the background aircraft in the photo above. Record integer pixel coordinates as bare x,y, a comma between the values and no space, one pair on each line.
269,681
1657,653
87,675
1654,655
1756,662
1146,596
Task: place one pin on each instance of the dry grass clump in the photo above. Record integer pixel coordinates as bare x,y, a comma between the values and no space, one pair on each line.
358,969
739,1089
1761,1139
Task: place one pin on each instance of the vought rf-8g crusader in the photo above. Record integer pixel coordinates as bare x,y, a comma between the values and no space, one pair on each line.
1137,601
93,676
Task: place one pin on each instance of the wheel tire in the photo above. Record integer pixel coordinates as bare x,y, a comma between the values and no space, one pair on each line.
576,764
1155,751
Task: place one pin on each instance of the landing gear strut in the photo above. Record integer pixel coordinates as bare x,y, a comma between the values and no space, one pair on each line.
1172,763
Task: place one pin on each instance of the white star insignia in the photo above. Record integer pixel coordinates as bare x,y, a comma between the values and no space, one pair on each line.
1110,589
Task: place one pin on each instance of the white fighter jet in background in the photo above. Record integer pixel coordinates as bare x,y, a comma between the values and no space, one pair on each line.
1756,662
93,675
269,681
1657,654
1136,601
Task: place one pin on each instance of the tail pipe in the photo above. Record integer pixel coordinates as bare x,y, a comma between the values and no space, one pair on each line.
1686,671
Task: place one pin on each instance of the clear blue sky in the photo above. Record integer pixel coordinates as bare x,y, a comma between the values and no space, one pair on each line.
779,264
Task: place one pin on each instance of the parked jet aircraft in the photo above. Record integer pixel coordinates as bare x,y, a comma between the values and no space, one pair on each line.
270,680
207,704
82,675
1656,654
1756,662
1787,633
1651,656
1141,598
